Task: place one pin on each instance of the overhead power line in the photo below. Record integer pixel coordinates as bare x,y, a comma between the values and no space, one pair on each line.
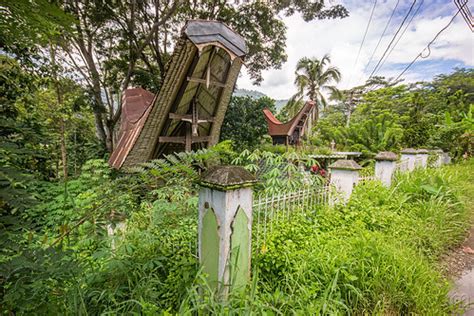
466,13
428,46
381,36
363,40
401,35
393,38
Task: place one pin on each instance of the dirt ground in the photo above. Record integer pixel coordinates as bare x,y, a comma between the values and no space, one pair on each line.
458,265
461,259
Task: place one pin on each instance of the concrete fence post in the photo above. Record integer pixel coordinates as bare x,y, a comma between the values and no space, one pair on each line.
409,155
344,176
224,228
116,225
422,157
439,158
446,159
385,165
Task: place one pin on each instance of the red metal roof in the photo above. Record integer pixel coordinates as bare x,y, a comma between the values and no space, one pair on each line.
135,109
277,128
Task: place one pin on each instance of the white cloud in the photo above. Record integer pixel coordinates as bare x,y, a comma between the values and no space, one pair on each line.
342,38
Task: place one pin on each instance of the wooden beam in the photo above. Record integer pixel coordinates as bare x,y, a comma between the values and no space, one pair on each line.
189,118
181,117
188,139
204,81
182,139
201,139
172,139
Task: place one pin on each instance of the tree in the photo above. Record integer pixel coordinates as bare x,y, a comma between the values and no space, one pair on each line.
379,133
352,97
290,109
27,26
128,42
244,122
314,77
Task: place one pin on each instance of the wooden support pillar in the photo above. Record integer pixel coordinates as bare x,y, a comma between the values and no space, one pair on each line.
188,139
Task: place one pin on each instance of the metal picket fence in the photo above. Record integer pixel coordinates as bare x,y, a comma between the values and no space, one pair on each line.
366,178
268,207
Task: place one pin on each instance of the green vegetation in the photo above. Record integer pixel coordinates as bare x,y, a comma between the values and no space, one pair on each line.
111,45
314,76
435,114
77,237
378,253
244,123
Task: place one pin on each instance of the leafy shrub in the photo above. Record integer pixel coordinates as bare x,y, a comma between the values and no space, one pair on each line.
375,254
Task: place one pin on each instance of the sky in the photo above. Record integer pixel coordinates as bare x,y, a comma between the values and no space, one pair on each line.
341,39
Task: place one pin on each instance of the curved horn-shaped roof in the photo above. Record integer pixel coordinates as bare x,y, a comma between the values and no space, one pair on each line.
196,89
277,128
203,32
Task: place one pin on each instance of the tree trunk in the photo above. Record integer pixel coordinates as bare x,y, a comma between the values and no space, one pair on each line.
59,100
63,149
316,114
99,107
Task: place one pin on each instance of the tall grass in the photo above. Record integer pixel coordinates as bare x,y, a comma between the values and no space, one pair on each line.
377,254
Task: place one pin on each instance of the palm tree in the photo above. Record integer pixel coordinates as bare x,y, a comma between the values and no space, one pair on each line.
315,77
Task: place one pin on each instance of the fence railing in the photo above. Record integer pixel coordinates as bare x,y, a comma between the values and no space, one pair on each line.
366,178
268,207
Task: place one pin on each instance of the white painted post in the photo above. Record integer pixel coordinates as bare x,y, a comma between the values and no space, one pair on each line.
439,158
225,226
385,165
446,159
422,157
409,155
344,176
117,224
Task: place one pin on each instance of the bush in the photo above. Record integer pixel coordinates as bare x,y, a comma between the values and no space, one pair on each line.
375,254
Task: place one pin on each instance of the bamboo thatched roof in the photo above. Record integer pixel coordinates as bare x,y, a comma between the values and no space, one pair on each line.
196,89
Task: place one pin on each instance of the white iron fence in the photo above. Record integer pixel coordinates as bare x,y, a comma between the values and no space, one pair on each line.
268,207
366,178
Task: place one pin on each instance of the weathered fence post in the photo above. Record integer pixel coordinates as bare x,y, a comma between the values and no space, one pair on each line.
116,225
344,176
409,155
385,165
422,156
446,159
439,158
225,225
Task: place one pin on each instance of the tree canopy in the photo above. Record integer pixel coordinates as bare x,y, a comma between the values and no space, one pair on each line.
111,45
434,114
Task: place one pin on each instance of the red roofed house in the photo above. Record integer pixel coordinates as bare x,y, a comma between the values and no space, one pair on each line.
289,133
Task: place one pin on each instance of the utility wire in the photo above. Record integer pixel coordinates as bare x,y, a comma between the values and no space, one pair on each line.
401,35
380,39
362,43
466,13
428,46
393,38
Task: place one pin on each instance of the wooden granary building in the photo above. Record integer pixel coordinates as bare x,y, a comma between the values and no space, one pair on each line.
291,132
189,109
